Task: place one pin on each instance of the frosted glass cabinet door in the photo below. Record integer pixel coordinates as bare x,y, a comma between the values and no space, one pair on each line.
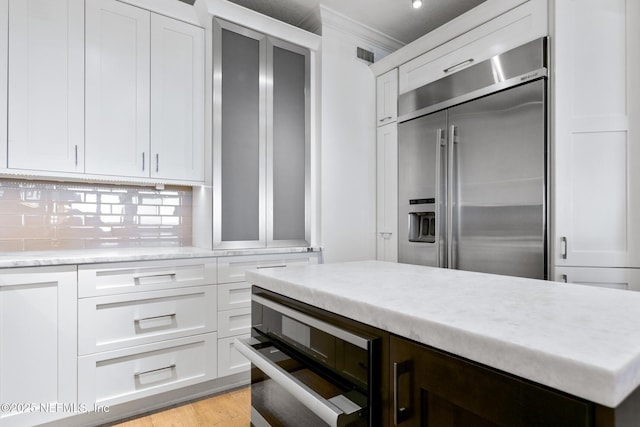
261,180
46,85
177,99
239,160
117,89
287,145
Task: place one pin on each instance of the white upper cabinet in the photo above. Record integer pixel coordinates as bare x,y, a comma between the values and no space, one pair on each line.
117,89
595,125
46,85
177,99
145,94
387,97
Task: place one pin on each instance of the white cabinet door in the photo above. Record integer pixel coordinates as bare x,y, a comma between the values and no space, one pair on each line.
597,188
387,97
387,193
177,99
4,47
46,85
613,278
117,89
38,344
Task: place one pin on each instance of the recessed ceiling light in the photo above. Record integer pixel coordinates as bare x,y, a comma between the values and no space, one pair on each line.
416,3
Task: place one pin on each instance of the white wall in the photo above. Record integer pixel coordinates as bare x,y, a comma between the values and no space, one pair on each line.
348,148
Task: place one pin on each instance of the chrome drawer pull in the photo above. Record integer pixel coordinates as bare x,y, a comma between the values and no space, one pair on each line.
137,374
260,267
172,315
169,275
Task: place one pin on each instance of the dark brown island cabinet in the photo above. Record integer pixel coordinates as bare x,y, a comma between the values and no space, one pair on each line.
431,388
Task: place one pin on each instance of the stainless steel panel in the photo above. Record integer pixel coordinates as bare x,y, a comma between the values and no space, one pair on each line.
419,153
498,199
499,72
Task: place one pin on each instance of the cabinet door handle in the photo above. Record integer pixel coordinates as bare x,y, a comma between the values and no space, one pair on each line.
157,162
260,267
400,414
458,65
386,235
76,155
385,119
143,161
565,279
563,250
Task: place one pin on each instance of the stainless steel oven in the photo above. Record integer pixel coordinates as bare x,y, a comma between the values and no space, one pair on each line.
310,368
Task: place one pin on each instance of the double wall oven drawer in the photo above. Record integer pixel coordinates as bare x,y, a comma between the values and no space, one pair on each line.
309,370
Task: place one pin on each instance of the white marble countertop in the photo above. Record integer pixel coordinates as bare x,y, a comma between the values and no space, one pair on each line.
581,340
93,256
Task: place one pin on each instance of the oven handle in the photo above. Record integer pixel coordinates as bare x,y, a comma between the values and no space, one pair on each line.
320,406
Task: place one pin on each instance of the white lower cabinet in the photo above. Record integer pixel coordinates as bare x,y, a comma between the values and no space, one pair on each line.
117,321
230,360
234,302
613,278
119,376
38,356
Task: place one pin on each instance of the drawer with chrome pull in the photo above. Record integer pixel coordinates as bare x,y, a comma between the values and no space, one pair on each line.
232,268
119,278
122,375
117,321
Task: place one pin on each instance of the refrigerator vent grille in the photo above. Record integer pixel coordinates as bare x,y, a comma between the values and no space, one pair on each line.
365,55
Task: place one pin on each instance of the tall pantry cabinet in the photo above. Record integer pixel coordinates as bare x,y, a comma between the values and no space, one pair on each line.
596,132
387,166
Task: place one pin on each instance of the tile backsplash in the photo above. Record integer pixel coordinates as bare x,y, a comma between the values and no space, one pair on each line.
38,216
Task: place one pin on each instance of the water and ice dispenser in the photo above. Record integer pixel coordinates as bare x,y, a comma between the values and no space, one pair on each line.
422,224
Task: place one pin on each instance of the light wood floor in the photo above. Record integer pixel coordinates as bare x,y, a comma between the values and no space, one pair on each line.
231,409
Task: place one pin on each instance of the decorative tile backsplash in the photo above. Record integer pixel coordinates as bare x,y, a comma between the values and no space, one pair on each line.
58,216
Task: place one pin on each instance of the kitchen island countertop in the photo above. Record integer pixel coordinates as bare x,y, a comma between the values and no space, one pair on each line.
582,340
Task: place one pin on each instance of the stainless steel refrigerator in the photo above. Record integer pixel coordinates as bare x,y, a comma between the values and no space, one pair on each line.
472,167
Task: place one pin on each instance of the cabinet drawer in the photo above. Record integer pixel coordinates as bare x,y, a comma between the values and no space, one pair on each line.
230,361
234,322
232,269
123,375
118,321
518,26
234,295
118,278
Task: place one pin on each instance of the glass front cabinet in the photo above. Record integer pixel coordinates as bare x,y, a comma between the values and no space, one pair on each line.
261,143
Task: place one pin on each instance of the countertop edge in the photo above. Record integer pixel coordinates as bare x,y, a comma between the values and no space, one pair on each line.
98,256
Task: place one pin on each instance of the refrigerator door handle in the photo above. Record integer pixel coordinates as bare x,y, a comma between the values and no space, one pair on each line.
440,142
451,196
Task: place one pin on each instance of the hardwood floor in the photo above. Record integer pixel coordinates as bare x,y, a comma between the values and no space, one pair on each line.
230,409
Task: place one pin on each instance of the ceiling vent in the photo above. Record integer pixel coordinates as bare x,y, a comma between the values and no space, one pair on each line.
365,55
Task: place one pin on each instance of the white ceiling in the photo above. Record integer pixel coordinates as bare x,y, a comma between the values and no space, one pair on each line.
395,18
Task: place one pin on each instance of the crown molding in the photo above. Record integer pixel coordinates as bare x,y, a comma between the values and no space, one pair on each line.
340,22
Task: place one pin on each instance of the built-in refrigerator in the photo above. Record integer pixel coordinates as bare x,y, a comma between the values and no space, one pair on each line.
472,167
